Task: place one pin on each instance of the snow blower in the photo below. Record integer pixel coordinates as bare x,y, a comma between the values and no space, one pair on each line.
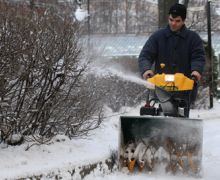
163,137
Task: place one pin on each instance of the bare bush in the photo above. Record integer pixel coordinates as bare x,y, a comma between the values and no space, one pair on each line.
82,111
41,73
118,92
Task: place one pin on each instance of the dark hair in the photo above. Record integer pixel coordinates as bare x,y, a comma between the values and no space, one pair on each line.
178,10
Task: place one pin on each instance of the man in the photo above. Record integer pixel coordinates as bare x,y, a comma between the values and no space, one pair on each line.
180,49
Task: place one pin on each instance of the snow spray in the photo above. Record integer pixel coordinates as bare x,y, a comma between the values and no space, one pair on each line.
132,77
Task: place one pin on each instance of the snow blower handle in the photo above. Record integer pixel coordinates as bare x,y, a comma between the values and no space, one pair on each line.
194,78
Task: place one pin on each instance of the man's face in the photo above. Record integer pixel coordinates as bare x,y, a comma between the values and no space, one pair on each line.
175,23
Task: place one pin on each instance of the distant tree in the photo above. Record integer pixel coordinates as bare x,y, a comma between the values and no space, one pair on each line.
164,6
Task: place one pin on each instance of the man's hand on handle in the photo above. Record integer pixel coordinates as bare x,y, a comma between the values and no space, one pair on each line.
148,74
197,75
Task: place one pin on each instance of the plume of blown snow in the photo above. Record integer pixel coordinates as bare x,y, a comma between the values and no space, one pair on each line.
127,76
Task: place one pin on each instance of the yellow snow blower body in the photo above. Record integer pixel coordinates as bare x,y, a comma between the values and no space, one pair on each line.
172,82
163,136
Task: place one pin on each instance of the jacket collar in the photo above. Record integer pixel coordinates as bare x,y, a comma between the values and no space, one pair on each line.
182,33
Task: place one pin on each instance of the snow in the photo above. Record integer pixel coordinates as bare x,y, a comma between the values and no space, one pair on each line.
81,14
63,155
217,11
152,1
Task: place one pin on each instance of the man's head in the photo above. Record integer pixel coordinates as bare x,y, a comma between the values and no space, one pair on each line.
177,16
178,10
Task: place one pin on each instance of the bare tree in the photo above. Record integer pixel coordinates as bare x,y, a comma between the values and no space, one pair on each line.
124,16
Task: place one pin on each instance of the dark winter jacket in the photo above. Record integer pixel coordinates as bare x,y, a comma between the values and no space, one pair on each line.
180,52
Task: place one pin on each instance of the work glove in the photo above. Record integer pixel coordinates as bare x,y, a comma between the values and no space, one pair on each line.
148,74
196,74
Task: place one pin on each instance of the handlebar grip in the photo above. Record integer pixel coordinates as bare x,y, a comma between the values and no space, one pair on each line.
194,78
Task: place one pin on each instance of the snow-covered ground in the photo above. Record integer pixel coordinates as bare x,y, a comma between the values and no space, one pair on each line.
65,157
63,154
